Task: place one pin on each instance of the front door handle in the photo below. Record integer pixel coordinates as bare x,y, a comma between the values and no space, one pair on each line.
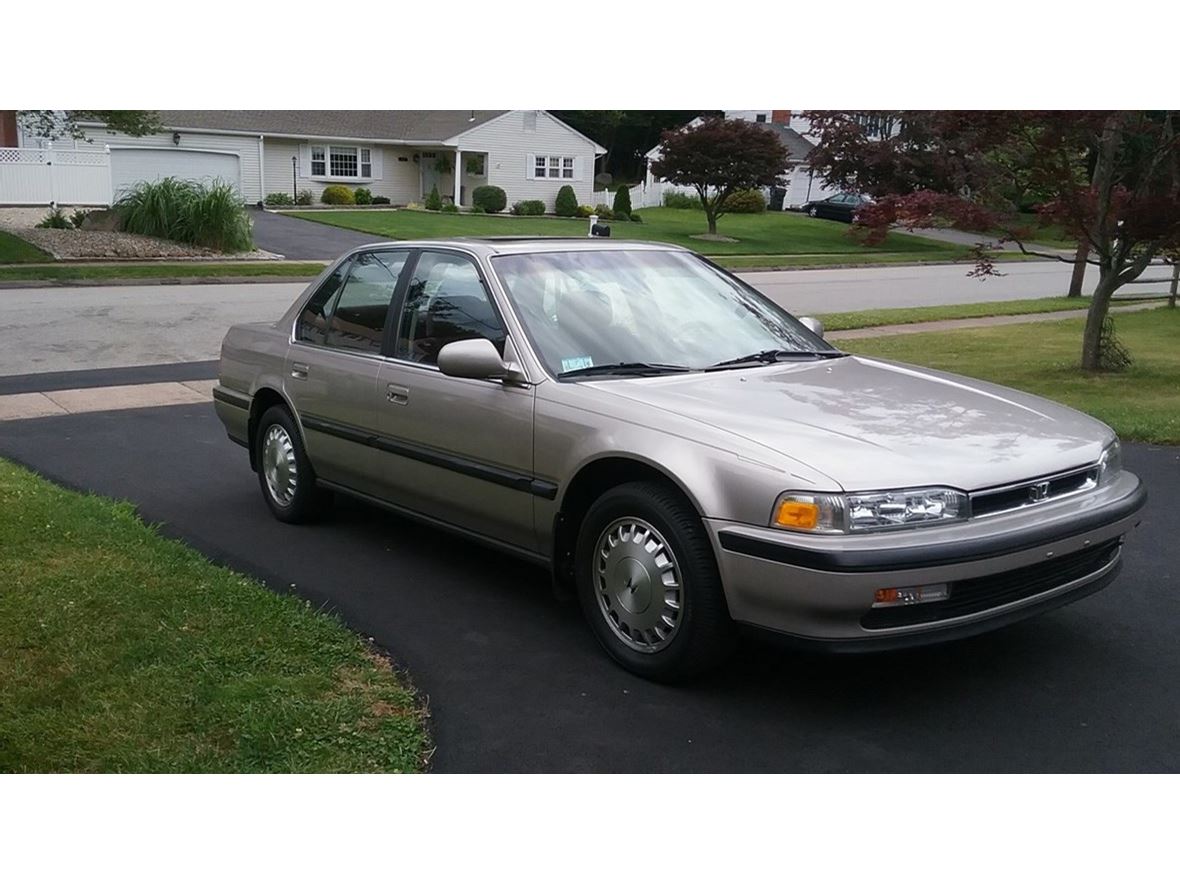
397,394
299,371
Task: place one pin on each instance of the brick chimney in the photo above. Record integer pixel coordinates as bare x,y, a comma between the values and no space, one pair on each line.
7,128
783,117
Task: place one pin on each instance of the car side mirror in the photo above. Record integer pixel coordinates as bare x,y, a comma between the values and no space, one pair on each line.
474,358
813,325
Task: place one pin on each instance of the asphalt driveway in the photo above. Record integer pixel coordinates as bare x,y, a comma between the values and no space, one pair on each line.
516,683
296,239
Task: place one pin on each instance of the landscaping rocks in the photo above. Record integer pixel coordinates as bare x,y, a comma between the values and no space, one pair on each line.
103,220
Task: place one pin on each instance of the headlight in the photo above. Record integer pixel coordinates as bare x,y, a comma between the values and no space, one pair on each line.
1111,463
867,511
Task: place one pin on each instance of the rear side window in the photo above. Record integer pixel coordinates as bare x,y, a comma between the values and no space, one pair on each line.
313,322
357,321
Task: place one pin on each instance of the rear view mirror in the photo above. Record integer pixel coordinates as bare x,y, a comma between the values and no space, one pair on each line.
472,358
813,325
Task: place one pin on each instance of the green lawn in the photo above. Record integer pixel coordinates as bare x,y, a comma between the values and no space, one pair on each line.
860,319
196,269
123,651
14,250
770,233
1142,403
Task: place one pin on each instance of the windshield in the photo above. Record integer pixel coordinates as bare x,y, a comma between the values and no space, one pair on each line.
661,310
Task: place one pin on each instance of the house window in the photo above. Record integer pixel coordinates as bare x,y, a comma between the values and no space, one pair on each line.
366,164
342,162
317,160
760,118
475,165
553,167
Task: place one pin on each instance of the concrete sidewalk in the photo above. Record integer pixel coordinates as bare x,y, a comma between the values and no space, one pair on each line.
976,322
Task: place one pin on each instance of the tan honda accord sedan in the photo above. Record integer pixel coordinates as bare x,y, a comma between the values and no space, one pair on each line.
680,452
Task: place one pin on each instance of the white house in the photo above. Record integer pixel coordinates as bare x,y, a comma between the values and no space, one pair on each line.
798,181
401,155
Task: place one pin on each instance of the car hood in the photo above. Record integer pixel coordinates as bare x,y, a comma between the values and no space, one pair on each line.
873,424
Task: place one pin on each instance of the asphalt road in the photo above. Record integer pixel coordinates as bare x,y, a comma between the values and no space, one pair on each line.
516,683
70,328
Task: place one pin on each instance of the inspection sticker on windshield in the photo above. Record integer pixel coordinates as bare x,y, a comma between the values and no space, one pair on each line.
572,363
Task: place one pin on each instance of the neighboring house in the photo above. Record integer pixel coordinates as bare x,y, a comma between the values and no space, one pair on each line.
798,182
398,154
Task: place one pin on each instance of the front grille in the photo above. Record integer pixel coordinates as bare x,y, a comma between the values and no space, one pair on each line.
991,591
1033,491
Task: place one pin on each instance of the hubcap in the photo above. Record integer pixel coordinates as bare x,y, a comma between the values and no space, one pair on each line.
637,584
278,464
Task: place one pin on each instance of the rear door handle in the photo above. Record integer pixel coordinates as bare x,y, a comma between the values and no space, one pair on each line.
397,394
299,371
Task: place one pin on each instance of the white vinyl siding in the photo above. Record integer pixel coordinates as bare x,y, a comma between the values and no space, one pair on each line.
513,143
389,176
243,147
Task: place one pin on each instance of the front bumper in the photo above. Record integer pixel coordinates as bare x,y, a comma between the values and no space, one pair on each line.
820,589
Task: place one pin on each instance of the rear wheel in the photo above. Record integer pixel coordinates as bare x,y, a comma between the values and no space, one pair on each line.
284,472
648,583
813,212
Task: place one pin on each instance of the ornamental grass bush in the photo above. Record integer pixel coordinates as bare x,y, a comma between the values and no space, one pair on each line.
210,215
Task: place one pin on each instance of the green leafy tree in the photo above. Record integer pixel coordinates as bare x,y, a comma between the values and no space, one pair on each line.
719,157
68,124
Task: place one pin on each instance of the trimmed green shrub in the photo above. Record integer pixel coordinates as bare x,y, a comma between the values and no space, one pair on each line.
478,210
749,202
380,200
604,212
635,217
622,203
585,211
56,219
681,200
489,198
337,195
529,207
210,215
304,198
279,198
450,207
363,196
434,201
566,204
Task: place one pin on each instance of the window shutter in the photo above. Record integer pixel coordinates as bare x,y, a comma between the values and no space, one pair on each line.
375,155
530,169
305,160
577,168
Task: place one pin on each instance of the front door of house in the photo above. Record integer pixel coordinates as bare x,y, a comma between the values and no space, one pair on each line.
428,167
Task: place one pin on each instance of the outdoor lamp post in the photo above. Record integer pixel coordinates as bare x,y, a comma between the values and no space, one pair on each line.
295,179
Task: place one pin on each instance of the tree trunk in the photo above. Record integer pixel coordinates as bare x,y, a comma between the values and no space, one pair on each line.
1175,284
711,217
1108,282
1079,270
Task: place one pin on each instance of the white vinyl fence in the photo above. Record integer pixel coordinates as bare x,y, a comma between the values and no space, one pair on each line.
41,176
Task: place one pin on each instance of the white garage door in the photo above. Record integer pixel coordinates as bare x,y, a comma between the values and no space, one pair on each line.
129,166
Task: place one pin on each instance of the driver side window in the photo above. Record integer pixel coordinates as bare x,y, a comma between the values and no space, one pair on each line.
445,302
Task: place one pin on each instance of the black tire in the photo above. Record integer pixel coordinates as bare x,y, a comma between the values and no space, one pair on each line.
308,501
704,633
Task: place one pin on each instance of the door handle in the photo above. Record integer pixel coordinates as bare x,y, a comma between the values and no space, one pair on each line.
397,394
299,371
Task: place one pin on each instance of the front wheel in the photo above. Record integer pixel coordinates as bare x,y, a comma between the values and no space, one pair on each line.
813,212
285,473
648,583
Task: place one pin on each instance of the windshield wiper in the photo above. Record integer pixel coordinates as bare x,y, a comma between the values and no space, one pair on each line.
624,369
773,356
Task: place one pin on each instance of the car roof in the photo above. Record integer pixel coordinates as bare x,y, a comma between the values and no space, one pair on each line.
510,245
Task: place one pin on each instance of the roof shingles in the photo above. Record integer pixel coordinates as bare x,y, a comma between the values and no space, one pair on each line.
409,126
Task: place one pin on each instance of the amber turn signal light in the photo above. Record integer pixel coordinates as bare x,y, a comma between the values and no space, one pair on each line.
796,515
